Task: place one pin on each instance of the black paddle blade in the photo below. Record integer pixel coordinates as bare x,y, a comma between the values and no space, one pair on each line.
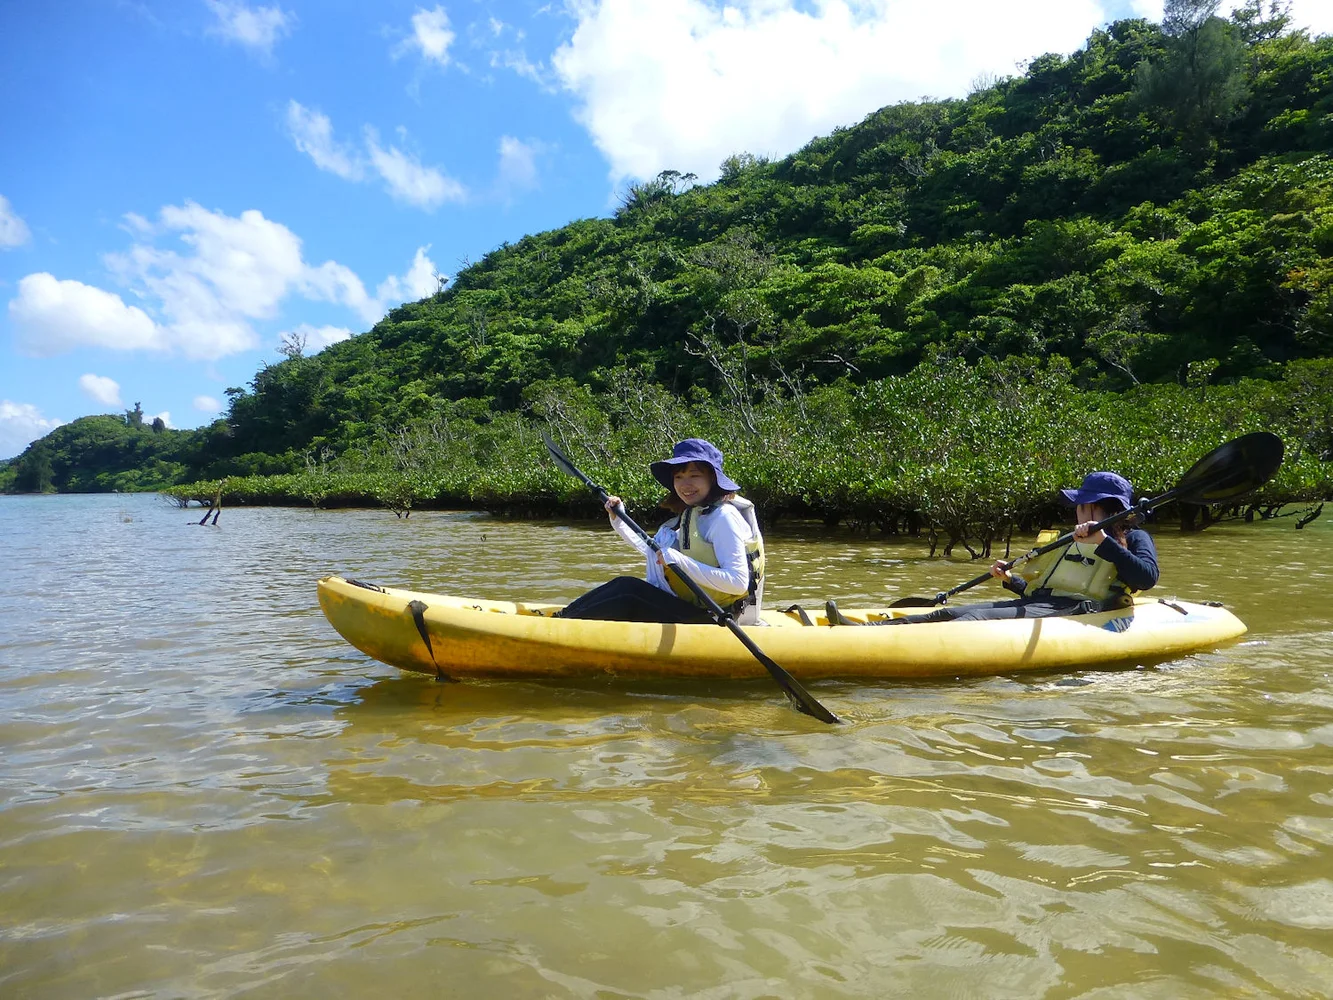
914,602
1233,471
565,466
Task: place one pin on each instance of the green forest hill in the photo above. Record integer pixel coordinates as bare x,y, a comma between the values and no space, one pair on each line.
926,321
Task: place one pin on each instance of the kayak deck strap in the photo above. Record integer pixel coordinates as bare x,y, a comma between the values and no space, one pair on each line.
365,586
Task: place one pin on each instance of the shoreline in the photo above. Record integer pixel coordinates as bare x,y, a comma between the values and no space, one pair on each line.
579,512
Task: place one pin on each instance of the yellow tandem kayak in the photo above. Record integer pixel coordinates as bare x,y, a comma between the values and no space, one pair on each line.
496,639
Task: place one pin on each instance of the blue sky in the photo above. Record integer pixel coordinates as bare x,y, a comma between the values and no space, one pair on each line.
184,182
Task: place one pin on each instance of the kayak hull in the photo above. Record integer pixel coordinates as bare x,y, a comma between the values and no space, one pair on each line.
496,639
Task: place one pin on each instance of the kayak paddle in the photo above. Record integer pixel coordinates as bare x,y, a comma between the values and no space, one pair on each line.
1226,474
802,699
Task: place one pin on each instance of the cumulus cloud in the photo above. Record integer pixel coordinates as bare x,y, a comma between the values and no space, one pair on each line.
257,28
417,283
313,134
334,282
14,231
684,85
238,269
431,36
164,416
52,316
20,425
405,177
100,388
407,180
207,404
200,302
313,338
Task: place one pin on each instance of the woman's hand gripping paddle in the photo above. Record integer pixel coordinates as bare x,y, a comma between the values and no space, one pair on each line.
802,699
1226,474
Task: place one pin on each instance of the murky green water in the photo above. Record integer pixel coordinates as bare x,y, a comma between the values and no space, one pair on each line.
205,792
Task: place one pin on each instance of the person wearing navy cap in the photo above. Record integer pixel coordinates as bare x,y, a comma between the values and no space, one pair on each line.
714,538
1098,571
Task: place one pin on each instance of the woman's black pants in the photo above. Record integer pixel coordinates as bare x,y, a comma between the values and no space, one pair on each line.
1030,607
629,599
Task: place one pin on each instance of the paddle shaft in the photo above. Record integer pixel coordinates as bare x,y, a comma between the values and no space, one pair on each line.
799,697
802,699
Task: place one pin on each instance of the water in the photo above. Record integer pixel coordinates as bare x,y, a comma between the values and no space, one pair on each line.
205,792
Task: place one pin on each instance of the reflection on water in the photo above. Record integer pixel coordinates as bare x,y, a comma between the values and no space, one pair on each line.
206,792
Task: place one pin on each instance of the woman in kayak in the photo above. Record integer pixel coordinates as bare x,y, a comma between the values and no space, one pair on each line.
1097,571
714,538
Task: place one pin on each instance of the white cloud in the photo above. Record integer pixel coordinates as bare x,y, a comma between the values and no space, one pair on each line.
14,231
52,316
518,163
240,269
404,176
1315,16
315,338
407,180
417,283
512,56
684,85
335,282
207,404
20,425
100,388
257,28
165,416
313,134
518,61
201,303
431,35
136,224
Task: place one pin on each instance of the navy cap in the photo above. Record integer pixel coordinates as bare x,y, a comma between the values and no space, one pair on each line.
1099,486
692,450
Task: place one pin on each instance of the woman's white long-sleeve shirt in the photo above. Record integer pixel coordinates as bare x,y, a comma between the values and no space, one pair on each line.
727,530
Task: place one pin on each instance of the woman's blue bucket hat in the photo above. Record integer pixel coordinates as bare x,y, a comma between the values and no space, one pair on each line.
692,450
1099,486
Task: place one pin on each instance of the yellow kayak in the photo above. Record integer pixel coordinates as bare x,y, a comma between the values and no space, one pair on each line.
458,637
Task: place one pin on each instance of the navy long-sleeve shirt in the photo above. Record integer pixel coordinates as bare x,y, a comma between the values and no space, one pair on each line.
1135,562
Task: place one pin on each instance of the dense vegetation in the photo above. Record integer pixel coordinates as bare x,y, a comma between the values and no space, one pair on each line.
102,454
961,453
1151,216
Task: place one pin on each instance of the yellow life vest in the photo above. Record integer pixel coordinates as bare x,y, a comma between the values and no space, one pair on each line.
690,540
1073,571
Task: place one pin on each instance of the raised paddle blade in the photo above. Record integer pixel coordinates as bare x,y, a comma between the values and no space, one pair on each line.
1232,471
